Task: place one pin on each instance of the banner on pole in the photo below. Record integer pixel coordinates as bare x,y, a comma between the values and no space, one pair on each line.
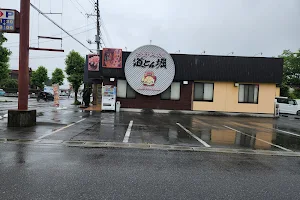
56,94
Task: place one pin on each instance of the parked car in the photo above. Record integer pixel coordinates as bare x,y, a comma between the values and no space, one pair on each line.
288,106
2,93
46,96
298,101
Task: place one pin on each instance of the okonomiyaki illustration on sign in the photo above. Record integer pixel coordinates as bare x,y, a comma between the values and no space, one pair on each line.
93,62
111,58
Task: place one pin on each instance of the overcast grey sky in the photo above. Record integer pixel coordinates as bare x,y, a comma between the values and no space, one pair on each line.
218,27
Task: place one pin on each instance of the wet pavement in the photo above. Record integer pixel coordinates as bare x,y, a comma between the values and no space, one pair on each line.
191,157
219,132
57,172
69,123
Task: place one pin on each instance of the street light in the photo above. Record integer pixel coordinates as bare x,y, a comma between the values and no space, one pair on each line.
202,53
230,53
177,51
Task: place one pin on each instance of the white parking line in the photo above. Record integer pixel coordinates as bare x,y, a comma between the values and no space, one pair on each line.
43,136
275,145
127,134
294,134
194,136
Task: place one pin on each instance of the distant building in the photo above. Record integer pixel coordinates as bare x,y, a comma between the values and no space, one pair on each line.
14,74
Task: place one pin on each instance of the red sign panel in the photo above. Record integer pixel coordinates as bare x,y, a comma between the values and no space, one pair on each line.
93,62
111,58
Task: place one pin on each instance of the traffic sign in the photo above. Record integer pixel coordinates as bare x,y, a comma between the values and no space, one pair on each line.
8,20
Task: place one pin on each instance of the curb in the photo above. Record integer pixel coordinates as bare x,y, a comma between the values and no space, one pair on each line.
193,112
120,145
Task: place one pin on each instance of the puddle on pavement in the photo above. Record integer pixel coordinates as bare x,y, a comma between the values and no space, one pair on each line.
254,138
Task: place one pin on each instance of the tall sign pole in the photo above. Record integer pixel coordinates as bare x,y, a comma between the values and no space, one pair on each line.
22,117
23,79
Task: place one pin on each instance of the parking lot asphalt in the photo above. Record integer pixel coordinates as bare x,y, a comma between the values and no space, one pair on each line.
58,172
69,123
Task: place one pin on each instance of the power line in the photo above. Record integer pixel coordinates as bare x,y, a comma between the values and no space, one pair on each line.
80,6
106,33
93,4
42,57
57,34
77,8
103,42
105,30
60,27
62,37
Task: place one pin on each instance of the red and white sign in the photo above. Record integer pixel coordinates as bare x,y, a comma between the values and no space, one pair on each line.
7,14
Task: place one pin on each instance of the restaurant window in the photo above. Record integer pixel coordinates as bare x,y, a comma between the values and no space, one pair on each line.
203,91
248,93
172,93
124,90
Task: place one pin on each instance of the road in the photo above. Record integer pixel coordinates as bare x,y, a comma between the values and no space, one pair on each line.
57,172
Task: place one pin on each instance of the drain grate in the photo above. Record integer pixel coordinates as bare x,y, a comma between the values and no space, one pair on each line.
74,142
11,139
25,140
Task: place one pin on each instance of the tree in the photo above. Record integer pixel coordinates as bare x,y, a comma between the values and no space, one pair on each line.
4,59
39,77
9,83
291,71
58,76
48,82
75,70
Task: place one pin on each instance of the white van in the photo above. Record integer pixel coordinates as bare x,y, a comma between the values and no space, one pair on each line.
286,105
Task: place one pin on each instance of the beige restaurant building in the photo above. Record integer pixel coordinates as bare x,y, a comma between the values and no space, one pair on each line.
232,84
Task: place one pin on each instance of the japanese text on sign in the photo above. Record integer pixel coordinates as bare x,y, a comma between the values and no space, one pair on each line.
141,62
150,54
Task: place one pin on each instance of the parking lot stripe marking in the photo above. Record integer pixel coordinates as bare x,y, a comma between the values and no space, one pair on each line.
282,131
294,134
43,136
275,145
193,135
127,134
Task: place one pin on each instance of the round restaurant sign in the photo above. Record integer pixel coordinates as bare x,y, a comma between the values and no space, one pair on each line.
149,70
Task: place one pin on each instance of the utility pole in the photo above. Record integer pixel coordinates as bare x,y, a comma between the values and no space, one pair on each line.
98,28
96,96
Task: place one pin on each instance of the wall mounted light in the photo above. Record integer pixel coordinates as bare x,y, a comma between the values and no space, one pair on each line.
185,82
236,84
112,79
